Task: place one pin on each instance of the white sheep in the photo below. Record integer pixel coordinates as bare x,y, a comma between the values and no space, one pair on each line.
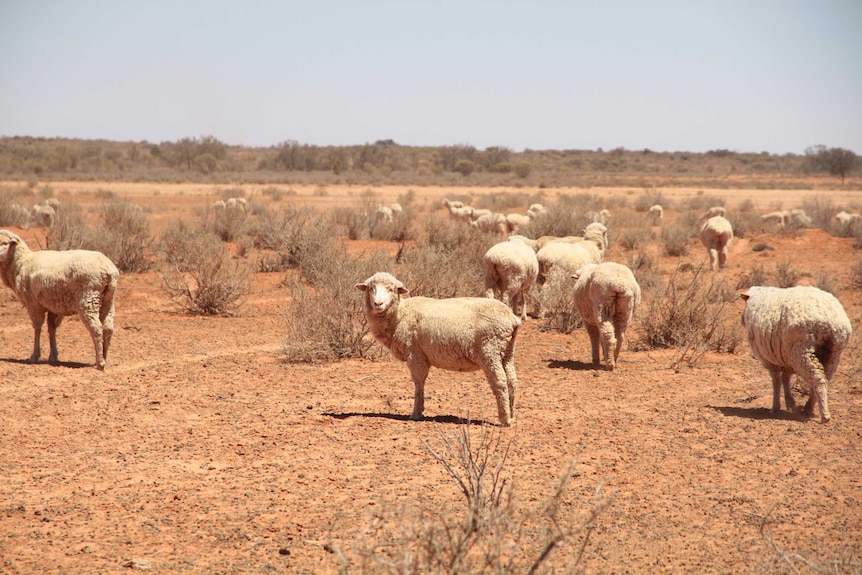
559,260
511,268
516,222
491,222
606,297
44,215
59,284
714,211
775,220
656,214
798,217
456,334
846,218
54,203
458,210
800,330
536,210
716,234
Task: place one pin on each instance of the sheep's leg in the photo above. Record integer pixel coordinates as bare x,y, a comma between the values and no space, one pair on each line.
789,402
593,332
53,323
94,326
498,379
419,366
106,317
511,375
722,257
713,259
811,370
776,375
37,318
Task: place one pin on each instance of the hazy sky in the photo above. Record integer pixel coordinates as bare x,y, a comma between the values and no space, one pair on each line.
695,75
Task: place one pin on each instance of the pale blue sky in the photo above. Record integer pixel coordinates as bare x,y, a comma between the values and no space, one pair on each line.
745,75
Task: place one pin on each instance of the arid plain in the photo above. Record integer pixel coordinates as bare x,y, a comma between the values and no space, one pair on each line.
200,450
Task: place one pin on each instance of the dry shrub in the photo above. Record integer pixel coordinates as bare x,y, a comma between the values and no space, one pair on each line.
745,224
820,209
676,240
123,234
633,238
688,314
227,223
292,232
202,276
785,275
645,270
11,212
558,304
756,276
488,532
325,315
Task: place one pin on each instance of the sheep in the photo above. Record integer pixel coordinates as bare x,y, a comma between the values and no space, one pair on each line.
511,268
536,210
516,222
459,211
44,215
656,214
775,220
606,297
219,205
456,334
600,217
559,260
54,203
396,208
714,211
798,218
801,330
480,212
492,222
716,234
846,218
61,283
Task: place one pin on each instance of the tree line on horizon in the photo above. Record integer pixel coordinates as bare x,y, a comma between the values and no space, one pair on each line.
208,157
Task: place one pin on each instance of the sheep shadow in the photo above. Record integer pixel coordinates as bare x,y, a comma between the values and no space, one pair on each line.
758,413
68,364
447,419
572,365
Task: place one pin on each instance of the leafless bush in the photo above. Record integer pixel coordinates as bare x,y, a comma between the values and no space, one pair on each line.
756,276
203,277
122,234
488,533
820,209
689,315
12,213
325,317
228,223
645,269
826,282
676,240
634,238
785,275
558,304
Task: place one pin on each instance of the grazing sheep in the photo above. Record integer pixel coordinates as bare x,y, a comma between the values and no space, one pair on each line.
516,222
44,215
559,260
396,209
846,218
656,214
219,205
714,211
456,334
716,235
459,211
800,330
511,268
798,218
606,296
491,222
775,220
536,210
58,284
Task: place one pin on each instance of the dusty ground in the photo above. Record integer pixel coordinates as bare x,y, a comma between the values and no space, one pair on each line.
199,450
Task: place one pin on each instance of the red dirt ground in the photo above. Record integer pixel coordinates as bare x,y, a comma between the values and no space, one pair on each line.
199,450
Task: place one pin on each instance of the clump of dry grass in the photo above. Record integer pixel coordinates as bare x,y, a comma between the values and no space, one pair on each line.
488,532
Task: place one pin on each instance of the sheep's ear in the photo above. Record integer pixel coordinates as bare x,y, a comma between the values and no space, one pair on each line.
403,290
745,295
576,276
361,287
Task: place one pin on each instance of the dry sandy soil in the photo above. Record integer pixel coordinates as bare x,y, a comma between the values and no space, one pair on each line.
199,450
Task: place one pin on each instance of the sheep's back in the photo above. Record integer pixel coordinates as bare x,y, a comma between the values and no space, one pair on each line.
59,280
456,333
778,319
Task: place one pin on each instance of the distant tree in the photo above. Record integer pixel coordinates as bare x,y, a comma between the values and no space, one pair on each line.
464,167
836,161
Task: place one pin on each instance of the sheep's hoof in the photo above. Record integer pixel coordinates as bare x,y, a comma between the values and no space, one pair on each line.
416,417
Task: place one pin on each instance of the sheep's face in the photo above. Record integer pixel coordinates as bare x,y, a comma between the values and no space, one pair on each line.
382,291
7,245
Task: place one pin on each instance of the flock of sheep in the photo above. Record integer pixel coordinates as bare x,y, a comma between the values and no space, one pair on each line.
42,215
801,330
